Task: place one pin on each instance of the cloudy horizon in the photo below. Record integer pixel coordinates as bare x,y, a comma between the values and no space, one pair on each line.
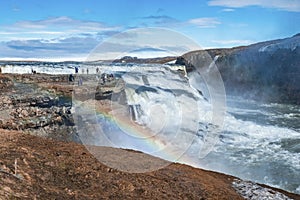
56,30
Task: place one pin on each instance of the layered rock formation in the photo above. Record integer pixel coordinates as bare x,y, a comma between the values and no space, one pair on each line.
267,71
29,107
41,104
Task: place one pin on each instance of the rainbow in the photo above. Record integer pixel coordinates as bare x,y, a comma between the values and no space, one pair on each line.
152,144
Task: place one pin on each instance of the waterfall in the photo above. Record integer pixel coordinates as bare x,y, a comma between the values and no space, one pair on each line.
135,112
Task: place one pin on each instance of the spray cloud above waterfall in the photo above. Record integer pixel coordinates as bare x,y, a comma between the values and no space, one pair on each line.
162,112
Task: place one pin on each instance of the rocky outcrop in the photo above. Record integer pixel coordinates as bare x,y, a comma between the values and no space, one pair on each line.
40,78
41,104
35,110
40,114
267,71
6,83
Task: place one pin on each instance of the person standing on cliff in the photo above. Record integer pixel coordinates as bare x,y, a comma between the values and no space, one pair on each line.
80,81
0,70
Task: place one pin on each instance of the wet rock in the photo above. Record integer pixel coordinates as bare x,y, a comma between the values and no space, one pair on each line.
252,191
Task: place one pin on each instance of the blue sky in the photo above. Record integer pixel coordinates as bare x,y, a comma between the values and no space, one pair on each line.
70,29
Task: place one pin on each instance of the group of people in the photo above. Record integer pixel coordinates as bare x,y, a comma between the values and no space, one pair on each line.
103,77
106,77
82,70
80,81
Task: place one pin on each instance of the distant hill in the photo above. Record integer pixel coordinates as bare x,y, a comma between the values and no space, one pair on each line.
267,71
158,60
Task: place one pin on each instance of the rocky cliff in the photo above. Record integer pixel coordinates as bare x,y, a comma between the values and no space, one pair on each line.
266,71
25,105
41,104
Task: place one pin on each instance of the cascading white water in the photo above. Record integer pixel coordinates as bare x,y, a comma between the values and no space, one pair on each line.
164,102
248,148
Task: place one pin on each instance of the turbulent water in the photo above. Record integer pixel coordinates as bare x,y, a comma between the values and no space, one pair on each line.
258,142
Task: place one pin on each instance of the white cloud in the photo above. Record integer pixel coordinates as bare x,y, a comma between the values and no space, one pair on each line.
65,23
230,43
32,32
169,21
53,27
228,10
204,22
73,47
57,37
16,9
287,5
62,37
158,21
142,40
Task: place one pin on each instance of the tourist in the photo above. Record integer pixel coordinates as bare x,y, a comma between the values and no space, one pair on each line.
103,78
76,70
0,70
71,78
80,81
87,71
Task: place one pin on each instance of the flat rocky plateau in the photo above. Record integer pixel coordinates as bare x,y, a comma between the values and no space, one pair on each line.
41,157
